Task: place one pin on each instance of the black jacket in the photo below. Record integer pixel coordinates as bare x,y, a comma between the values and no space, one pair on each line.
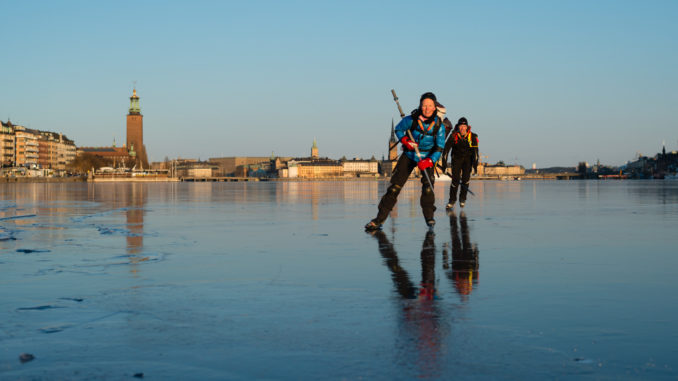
461,148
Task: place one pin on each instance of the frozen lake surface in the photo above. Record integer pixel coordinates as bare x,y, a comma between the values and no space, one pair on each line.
278,280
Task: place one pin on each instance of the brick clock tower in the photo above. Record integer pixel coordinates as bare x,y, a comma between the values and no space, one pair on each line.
135,132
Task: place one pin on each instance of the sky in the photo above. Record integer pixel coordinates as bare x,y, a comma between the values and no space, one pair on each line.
546,82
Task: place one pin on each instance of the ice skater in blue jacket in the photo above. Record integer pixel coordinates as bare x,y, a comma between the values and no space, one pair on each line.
429,137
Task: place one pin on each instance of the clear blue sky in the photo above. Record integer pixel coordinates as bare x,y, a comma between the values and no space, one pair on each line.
546,82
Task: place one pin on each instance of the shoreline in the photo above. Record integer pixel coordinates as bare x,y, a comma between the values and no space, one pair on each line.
75,179
9,180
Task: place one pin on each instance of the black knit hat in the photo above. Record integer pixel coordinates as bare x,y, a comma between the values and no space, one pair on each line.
461,121
428,95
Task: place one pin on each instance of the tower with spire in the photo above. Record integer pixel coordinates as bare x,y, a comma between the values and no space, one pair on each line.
392,144
135,130
314,150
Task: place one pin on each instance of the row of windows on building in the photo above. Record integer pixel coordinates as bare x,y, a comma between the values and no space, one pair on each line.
25,147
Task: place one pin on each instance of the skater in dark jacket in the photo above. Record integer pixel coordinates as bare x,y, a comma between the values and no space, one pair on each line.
462,149
422,135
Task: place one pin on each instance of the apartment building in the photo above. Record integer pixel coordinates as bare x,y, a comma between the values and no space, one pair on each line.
7,143
26,147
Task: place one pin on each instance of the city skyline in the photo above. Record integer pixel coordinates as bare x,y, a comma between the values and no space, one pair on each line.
551,84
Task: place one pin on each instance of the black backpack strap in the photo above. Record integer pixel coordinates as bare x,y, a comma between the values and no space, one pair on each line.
435,133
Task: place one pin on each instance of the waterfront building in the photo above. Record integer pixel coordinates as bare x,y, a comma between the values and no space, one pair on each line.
290,171
312,167
55,151
195,169
118,156
500,170
7,144
26,147
228,166
319,168
359,167
662,165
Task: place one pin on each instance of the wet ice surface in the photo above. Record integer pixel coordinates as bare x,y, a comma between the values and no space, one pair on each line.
557,279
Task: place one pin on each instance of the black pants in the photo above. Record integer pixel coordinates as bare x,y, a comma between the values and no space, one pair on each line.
401,173
461,170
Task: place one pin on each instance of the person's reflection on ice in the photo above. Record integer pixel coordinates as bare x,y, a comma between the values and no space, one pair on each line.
464,272
401,278
421,316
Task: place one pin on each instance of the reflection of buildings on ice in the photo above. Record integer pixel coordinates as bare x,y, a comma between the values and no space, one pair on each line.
50,208
129,198
34,201
135,218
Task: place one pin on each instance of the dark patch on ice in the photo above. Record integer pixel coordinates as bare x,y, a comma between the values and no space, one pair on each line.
6,234
17,217
53,329
26,357
138,375
43,272
38,308
108,230
73,299
28,251
105,230
137,259
582,360
48,271
321,235
124,260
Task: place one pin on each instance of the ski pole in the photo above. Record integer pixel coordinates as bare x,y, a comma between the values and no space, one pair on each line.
400,109
395,98
468,189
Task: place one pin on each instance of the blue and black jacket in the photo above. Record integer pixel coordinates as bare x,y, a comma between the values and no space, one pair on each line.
431,138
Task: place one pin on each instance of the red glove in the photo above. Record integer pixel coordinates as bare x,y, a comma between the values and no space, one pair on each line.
409,144
426,163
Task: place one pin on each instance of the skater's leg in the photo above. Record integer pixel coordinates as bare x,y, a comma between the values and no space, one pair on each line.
428,197
454,185
465,179
400,175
